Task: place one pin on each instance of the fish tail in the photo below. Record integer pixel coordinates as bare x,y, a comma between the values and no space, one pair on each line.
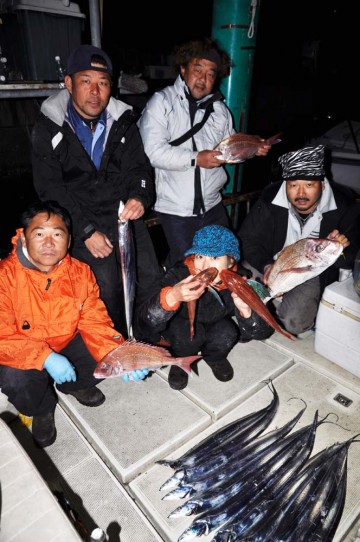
288,335
185,363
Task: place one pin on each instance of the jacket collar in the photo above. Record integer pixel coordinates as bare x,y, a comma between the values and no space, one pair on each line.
183,90
55,107
325,204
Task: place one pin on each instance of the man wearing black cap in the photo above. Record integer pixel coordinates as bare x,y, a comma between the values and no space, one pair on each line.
88,155
305,205
180,127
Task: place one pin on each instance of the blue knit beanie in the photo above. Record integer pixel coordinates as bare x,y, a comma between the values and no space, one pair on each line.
215,241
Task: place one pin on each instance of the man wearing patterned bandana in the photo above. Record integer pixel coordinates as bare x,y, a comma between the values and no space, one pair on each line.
215,331
304,205
189,176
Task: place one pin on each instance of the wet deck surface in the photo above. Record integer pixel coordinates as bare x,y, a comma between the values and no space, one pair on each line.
104,459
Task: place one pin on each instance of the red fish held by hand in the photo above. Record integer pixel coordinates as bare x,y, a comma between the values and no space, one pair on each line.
207,276
237,284
240,147
132,354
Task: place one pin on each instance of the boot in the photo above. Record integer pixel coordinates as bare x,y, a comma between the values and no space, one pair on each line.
91,397
44,430
222,370
177,379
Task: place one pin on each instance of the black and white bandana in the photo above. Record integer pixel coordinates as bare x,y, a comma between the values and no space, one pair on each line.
307,164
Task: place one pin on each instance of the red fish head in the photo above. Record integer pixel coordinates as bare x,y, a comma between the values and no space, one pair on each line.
206,276
231,279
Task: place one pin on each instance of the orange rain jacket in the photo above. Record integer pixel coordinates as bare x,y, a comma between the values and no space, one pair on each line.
41,313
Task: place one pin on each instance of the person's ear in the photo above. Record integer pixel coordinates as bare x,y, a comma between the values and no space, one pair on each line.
68,83
231,262
23,239
69,243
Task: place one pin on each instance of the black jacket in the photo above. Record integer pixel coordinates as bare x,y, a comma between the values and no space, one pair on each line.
209,310
64,172
263,231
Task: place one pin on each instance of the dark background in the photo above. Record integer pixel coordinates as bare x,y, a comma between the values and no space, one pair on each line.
305,64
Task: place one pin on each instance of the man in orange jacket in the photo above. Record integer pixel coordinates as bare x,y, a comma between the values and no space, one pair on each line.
53,324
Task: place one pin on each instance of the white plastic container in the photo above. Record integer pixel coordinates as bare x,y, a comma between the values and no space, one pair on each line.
337,334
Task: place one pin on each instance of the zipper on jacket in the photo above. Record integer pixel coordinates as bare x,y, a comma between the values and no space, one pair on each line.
48,284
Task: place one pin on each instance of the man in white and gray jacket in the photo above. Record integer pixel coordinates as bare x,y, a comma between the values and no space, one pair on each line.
180,127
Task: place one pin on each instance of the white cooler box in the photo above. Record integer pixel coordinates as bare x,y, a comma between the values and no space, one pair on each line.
337,335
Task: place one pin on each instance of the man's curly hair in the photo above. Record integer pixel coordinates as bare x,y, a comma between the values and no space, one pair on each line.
201,48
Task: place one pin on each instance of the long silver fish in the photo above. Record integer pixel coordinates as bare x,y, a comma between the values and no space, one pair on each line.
128,267
216,440
249,427
299,262
270,474
217,493
262,512
304,496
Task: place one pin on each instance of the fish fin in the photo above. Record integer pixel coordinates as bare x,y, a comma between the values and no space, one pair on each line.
288,335
134,342
260,289
274,139
304,269
216,295
185,363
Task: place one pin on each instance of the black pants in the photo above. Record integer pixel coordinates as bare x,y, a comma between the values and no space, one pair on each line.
180,230
108,272
213,341
32,392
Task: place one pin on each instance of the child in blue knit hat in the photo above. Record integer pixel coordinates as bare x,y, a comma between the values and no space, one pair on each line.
215,329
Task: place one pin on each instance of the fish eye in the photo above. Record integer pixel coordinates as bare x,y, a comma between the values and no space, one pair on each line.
319,248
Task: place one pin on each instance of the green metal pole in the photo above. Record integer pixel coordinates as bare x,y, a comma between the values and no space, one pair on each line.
234,27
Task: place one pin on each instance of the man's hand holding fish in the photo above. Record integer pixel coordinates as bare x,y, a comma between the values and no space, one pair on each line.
335,235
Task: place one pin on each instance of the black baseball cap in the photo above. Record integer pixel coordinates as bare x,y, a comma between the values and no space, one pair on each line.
81,59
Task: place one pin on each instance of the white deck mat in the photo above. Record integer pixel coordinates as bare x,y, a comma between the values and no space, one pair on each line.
142,422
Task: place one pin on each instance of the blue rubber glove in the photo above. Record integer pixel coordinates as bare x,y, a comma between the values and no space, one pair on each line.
59,368
138,374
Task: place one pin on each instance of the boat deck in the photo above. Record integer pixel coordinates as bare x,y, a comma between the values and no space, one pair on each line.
104,459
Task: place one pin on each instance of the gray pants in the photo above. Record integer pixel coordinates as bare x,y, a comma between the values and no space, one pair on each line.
296,309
